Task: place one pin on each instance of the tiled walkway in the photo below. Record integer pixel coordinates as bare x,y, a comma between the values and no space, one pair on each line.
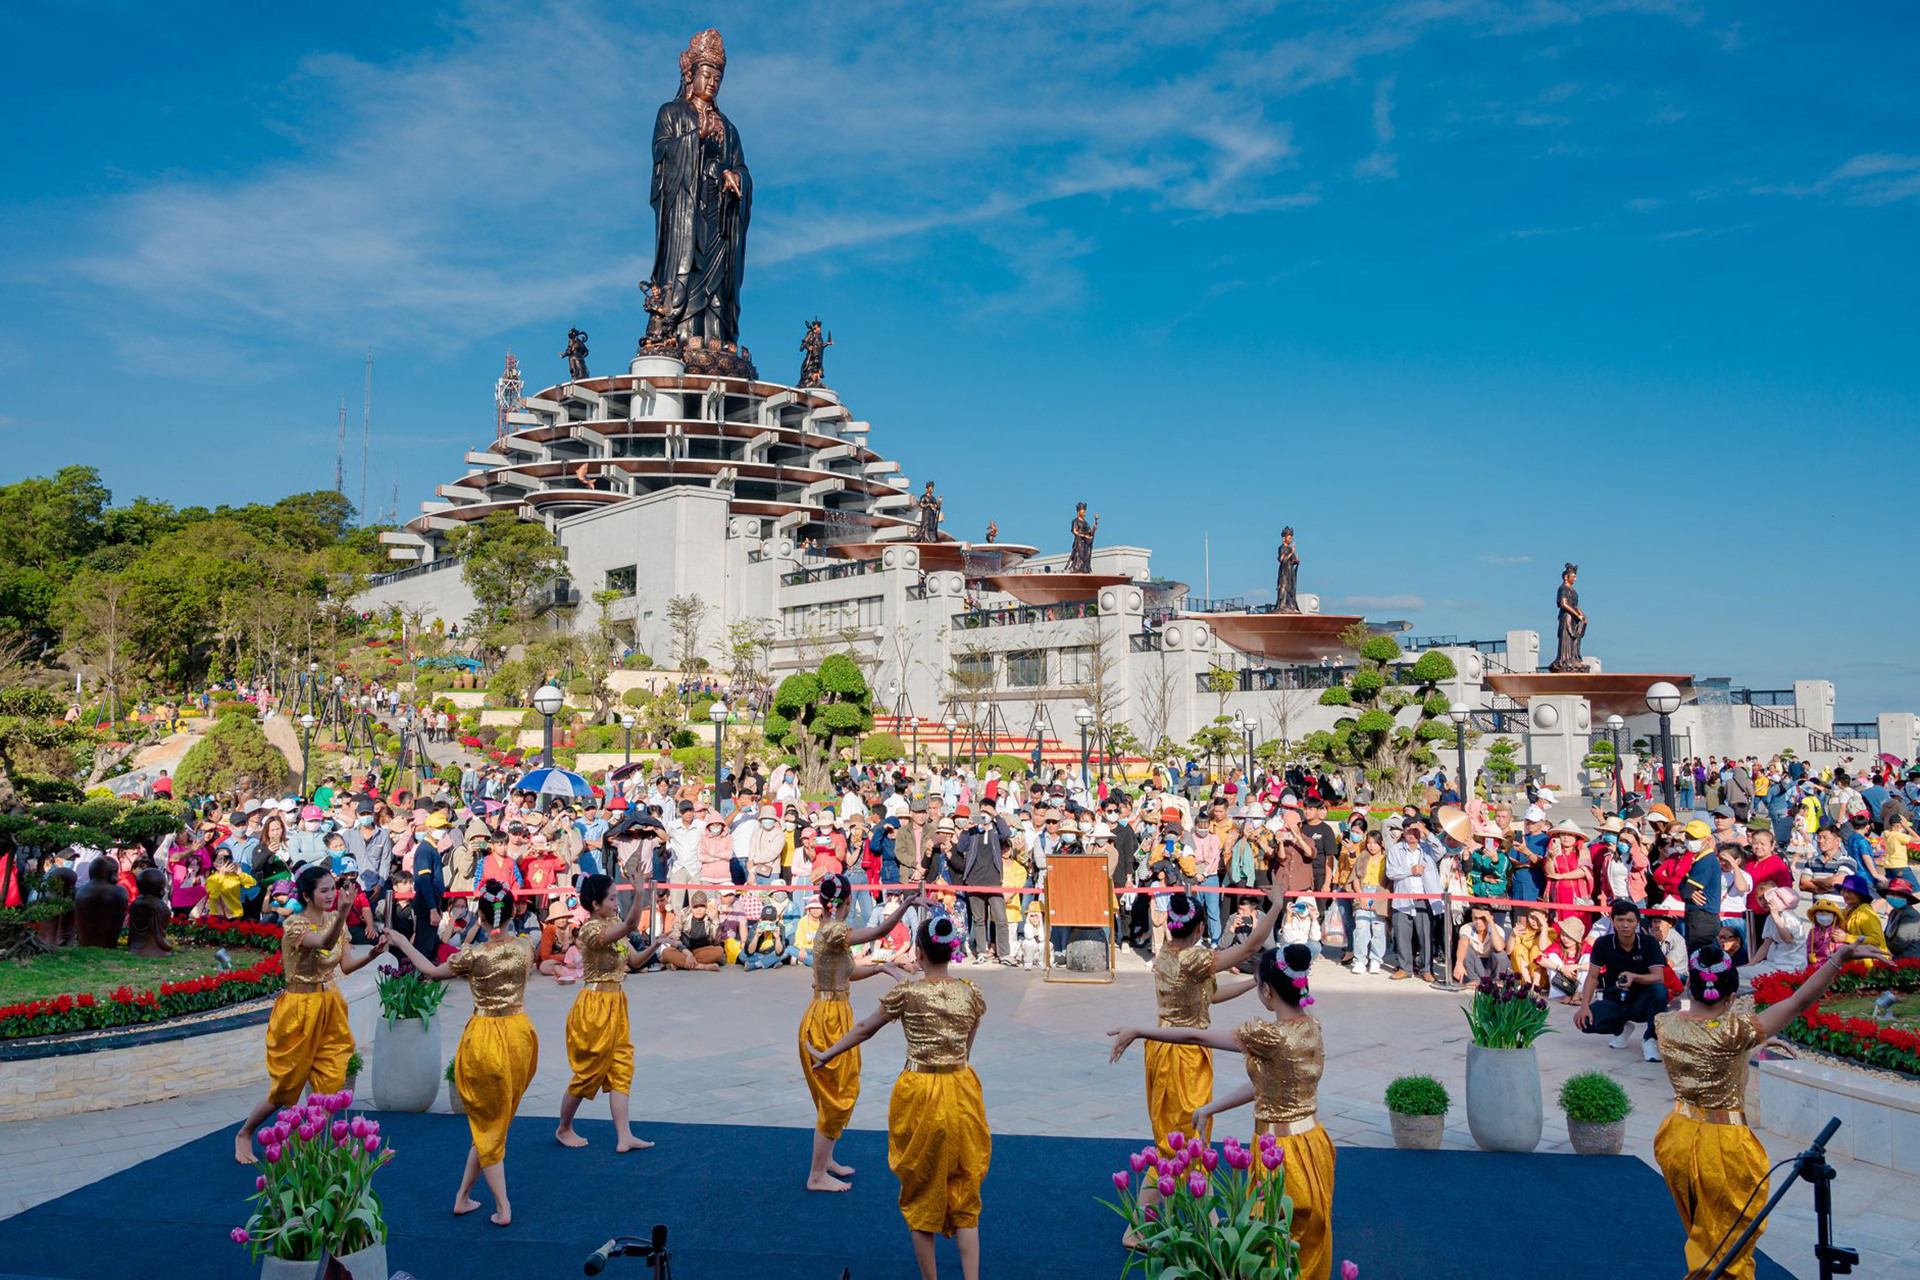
721,1047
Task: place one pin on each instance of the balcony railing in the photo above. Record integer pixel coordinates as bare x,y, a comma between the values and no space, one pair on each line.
1020,615
1857,731
829,572
1818,741
416,571
1768,717
1144,642
1274,679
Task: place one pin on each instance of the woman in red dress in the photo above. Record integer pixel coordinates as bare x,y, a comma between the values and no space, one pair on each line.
1569,874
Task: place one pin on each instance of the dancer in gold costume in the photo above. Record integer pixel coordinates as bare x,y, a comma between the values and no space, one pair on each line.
1285,1059
829,1016
308,1041
599,1034
938,1143
498,1049
1180,1076
1716,1169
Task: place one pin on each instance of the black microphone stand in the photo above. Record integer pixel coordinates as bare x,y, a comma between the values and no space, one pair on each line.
1811,1164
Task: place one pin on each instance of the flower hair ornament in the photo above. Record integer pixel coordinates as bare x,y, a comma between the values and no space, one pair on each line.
941,929
1299,977
1181,919
1710,975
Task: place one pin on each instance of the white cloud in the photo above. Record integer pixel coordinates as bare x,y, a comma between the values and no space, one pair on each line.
1873,178
1504,559
1383,163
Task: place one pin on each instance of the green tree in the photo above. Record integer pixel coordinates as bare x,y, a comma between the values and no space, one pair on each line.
1216,741
686,620
35,739
234,753
816,713
508,563
1381,740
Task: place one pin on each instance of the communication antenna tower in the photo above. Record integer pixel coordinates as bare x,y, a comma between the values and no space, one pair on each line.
340,453
366,433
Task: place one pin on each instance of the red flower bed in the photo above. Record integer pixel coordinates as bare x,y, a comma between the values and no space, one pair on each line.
1874,1044
127,1007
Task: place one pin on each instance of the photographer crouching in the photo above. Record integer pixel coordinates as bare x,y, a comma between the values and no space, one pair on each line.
1628,973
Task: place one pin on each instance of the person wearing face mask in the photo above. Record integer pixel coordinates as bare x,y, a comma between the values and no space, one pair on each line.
763,843
1903,921
309,842
1699,891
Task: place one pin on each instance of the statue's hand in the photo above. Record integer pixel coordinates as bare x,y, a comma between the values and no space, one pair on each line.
730,180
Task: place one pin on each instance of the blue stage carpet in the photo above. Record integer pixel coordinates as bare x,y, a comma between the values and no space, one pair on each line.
732,1199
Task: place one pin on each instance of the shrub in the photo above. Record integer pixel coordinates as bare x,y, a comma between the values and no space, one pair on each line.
580,686
637,662
1418,1096
693,757
1594,1098
680,739
698,711
1336,696
221,710
636,698
233,750
882,746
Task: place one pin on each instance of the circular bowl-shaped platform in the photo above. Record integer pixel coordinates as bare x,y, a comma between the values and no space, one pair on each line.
1053,588
1282,637
971,558
1621,693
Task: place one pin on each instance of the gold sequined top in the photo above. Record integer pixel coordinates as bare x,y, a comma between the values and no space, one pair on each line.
1183,986
308,966
938,1018
832,958
1284,1061
1707,1057
497,972
601,961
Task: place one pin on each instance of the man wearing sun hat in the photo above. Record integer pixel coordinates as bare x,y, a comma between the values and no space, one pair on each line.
1700,891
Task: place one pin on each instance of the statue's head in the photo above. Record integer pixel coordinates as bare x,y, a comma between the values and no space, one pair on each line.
1569,572
703,64
1286,534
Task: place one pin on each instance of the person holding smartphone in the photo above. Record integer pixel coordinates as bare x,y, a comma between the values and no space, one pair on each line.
1628,974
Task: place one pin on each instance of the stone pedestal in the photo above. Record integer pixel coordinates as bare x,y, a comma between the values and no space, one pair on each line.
1561,726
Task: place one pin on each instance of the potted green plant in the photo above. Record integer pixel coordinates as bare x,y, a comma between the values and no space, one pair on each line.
355,1065
455,1103
313,1194
1417,1109
1597,1109
1504,1110
406,1040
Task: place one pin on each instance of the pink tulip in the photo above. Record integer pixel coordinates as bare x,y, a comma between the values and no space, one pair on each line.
1121,1180
1137,1161
1210,1158
240,1235
1167,1186
1349,1270
273,1153
1238,1159
357,1127
1267,1140
336,1101
260,1182
1272,1158
340,1128
1197,1184
288,1115
1151,1214
372,1144
1176,1140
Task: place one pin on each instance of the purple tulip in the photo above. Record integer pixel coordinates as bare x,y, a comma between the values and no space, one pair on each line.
288,1115
1349,1270
1267,1141
1176,1140
1167,1185
1272,1157
1121,1180
372,1144
1210,1158
1197,1185
1238,1159
340,1128
273,1153
1137,1161
240,1235
260,1182
1151,1214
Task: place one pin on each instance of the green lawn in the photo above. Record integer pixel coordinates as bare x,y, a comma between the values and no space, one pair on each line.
71,970
1906,1008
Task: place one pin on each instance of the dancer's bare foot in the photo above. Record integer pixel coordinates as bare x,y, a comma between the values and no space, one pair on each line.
630,1143
243,1148
466,1204
827,1182
502,1217
567,1137
839,1170
1129,1240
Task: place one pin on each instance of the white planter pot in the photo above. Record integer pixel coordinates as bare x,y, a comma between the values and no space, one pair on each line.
406,1064
369,1263
1504,1111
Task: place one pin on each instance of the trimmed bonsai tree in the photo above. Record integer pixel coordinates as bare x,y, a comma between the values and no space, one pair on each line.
816,713
1399,713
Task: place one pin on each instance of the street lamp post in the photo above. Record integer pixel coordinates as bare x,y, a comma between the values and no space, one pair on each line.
1084,718
548,700
950,724
627,721
306,748
1614,723
718,714
1663,699
1460,712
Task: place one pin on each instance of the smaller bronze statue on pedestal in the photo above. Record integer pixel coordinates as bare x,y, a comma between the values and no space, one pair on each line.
993,531
1573,623
100,905
813,353
1080,559
929,530
148,917
1286,592
659,339
57,931
576,355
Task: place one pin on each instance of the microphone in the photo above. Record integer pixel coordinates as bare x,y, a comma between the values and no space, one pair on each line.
597,1260
660,1228
1819,1146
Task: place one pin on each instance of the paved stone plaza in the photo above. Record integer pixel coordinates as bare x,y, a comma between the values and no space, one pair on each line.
720,1048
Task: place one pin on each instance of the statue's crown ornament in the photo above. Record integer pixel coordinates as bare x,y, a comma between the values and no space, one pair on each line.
705,47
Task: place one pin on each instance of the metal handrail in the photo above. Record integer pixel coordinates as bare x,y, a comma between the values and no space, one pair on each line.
1018,615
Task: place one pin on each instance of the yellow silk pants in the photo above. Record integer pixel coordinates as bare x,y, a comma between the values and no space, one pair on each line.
492,1068
1179,1083
938,1145
308,1042
1307,1173
836,1086
599,1044
1711,1169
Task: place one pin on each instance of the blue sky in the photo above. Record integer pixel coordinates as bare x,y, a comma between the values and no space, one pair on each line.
1460,290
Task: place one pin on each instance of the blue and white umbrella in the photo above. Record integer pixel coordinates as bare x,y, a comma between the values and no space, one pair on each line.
554,782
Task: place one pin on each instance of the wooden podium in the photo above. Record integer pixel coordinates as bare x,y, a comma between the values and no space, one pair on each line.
1078,894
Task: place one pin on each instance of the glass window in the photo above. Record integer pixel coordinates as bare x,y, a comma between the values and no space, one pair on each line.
623,581
975,666
1076,665
1026,668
